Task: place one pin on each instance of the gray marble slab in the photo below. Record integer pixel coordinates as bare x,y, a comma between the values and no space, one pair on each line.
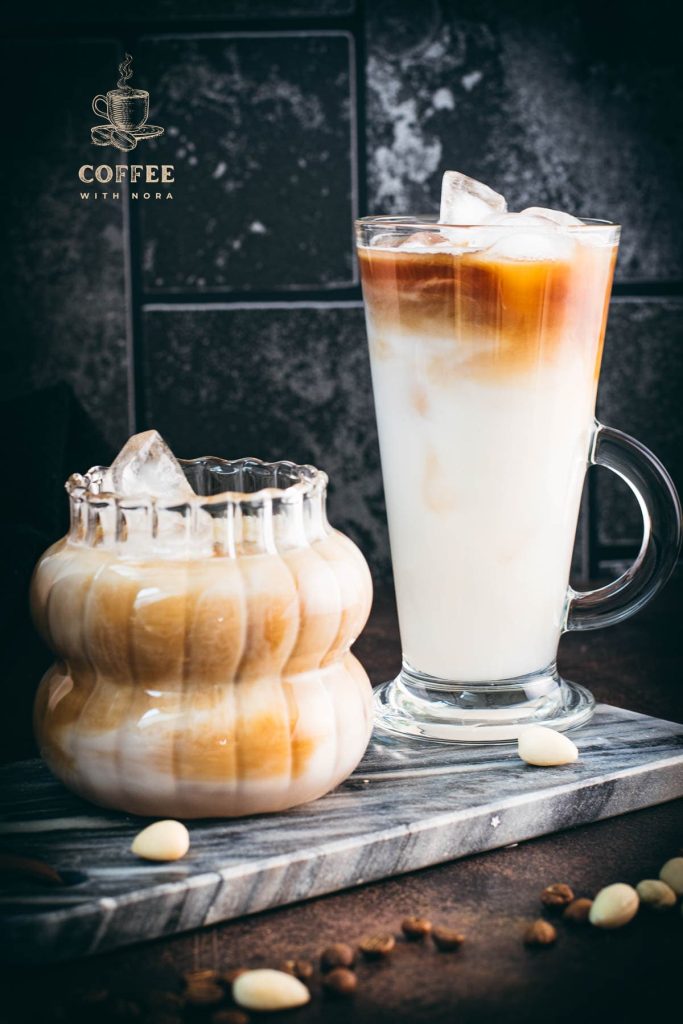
409,805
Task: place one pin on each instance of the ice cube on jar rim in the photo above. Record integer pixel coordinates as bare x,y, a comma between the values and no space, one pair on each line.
147,466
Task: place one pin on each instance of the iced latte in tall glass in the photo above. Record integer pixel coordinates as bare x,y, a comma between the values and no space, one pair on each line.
485,331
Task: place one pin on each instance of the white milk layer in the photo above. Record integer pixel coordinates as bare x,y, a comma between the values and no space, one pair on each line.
483,482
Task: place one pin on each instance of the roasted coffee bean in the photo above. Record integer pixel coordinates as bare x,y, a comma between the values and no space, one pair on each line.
557,895
415,928
577,911
340,982
540,933
339,954
200,976
447,939
373,947
302,969
227,977
229,1017
204,993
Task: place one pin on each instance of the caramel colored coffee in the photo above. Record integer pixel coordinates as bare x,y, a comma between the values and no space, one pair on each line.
493,317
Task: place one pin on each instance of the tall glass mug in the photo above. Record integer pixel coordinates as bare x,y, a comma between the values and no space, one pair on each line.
485,361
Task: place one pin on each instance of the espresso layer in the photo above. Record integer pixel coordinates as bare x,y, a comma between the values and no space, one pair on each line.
498,315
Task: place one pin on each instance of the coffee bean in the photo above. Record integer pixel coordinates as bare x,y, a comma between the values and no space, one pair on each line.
540,933
227,977
557,895
577,911
446,939
229,1017
415,928
341,982
302,969
204,993
200,976
373,947
339,954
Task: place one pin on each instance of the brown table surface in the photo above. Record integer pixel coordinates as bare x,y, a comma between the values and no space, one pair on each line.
628,974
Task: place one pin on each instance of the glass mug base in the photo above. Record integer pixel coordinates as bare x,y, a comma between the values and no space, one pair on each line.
415,704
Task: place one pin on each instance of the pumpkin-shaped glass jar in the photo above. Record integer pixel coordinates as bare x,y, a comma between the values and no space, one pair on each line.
204,664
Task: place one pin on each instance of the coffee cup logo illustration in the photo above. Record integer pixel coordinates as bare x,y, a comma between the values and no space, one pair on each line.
125,110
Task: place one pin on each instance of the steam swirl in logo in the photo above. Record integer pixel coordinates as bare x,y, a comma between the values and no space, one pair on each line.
126,72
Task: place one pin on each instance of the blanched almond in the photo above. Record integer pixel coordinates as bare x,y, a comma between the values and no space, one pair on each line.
545,747
614,906
265,989
656,894
672,874
164,840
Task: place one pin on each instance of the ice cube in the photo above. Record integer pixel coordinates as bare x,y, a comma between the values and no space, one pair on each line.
467,201
520,220
556,216
146,466
385,241
531,245
424,241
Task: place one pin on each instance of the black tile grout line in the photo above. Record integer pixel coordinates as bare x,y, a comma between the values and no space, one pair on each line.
585,539
340,296
193,306
345,294
130,328
592,517
655,289
360,180
618,550
127,29
134,317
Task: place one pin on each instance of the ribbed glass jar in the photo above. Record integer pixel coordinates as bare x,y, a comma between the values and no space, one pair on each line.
204,664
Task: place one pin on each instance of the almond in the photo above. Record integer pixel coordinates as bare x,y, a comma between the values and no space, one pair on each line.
545,747
164,840
672,874
614,906
265,989
656,894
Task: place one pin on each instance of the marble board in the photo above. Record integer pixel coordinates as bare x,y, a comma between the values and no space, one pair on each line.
409,805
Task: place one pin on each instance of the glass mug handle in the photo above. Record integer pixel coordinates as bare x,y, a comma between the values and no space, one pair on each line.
96,109
661,509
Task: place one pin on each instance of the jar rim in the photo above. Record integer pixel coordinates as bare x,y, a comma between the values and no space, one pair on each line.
306,481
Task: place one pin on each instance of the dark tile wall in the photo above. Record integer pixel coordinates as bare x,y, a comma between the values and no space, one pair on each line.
230,317
641,394
251,121
300,390
560,105
62,260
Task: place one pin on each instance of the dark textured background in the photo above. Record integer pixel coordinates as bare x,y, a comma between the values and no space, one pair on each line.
230,318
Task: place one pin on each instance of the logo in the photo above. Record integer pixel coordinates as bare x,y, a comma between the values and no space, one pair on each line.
125,111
